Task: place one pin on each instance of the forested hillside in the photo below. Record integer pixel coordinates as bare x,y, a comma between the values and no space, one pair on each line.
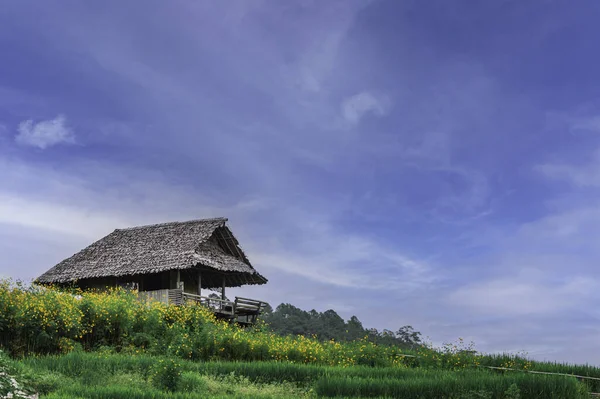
287,319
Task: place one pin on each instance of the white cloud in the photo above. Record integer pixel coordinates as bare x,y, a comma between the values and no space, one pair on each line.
524,295
57,218
581,176
573,226
35,199
591,124
582,172
45,134
71,202
354,108
342,259
582,120
4,136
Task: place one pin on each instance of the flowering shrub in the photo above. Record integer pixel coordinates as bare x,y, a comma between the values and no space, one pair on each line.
37,320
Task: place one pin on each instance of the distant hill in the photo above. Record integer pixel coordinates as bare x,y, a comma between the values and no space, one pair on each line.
287,319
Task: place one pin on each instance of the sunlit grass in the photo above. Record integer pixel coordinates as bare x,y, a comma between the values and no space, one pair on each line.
97,376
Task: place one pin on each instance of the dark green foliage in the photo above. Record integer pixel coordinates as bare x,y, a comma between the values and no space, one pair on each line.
166,375
143,340
409,336
355,329
513,392
191,382
47,382
290,320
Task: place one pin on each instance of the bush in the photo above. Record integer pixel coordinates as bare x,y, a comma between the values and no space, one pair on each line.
44,383
513,392
143,340
166,375
192,382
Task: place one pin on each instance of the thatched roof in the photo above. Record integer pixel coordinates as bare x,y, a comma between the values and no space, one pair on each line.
206,244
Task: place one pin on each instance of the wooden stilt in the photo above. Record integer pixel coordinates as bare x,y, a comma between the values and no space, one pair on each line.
199,283
223,289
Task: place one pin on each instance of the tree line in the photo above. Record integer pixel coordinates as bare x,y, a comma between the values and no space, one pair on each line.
287,319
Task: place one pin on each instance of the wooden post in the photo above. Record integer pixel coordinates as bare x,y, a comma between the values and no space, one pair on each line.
178,279
223,289
199,283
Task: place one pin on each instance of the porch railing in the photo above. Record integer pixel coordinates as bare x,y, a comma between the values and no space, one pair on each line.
222,306
242,310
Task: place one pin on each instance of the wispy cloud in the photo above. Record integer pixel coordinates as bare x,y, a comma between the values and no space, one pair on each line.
354,262
45,134
589,124
525,295
355,107
314,249
580,175
56,217
582,168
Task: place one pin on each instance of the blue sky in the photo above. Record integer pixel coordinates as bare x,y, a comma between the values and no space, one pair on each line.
427,163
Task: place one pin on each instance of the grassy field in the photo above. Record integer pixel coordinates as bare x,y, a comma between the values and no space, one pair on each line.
110,375
109,345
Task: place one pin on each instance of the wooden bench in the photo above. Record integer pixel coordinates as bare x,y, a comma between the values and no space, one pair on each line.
246,310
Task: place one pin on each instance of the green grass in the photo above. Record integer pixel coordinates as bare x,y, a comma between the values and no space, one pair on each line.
452,385
68,348
77,364
522,363
92,375
554,367
106,375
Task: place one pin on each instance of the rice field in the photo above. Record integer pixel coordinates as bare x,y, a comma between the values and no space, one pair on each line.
109,375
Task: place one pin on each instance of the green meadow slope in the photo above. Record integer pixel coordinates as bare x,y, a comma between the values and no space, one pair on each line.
110,345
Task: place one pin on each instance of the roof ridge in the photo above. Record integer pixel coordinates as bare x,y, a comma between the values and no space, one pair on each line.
224,219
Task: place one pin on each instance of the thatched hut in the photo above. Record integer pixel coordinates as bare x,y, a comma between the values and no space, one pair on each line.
179,256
